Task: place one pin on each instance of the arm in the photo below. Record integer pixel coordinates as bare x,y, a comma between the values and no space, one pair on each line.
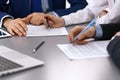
74,6
13,26
114,50
87,14
112,16
3,11
3,8
108,30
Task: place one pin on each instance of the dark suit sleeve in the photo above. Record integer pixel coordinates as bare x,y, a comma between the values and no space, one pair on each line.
74,6
114,50
109,30
3,8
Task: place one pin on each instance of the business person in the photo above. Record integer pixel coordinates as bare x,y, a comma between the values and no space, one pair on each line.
11,12
92,10
106,32
114,49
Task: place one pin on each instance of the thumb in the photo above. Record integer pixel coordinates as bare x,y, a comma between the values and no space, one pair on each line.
27,19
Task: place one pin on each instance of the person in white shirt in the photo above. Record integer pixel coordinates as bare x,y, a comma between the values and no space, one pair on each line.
94,8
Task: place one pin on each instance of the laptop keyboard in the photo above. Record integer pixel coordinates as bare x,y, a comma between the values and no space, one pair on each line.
6,64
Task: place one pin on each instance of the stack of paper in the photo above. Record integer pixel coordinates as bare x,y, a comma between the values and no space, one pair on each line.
42,31
90,50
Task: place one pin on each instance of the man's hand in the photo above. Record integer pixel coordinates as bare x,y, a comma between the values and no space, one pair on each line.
35,18
102,13
81,39
55,22
16,26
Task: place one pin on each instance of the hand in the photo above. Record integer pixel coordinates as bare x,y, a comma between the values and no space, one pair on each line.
82,39
35,18
16,26
102,13
55,22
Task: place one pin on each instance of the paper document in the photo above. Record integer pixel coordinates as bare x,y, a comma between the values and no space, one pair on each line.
91,50
42,31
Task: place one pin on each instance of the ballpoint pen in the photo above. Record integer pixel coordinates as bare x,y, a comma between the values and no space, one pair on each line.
38,46
46,9
87,27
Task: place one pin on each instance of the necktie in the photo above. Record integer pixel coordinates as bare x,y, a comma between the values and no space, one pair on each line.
45,6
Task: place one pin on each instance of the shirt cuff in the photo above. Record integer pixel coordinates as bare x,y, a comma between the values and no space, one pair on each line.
67,20
99,32
6,16
54,13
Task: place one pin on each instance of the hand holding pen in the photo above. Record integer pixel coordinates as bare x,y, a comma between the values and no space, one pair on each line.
78,35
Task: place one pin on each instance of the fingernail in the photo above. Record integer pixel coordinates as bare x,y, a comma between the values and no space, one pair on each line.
20,34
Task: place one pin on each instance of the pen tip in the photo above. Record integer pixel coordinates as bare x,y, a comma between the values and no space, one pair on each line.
34,51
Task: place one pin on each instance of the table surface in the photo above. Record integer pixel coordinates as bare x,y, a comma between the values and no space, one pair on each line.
57,66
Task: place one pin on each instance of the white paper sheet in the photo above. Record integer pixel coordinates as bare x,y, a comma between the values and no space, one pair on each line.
42,31
91,50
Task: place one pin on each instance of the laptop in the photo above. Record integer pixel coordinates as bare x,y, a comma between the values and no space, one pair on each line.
12,61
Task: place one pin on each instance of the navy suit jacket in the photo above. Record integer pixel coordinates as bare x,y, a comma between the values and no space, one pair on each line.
114,50
21,8
109,30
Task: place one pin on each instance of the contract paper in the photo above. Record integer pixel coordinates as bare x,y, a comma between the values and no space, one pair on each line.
42,31
91,50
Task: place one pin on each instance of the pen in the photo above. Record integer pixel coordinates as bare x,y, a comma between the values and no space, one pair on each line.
48,25
47,11
87,27
38,46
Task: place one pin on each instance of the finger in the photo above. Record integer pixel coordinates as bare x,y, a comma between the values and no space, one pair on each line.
37,23
20,29
11,32
50,17
77,29
83,36
33,20
27,19
23,25
52,25
16,31
71,36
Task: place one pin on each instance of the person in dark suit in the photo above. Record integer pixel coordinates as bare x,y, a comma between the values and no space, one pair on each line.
98,32
108,31
114,49
11,12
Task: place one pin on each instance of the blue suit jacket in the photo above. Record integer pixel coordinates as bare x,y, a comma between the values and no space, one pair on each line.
114,50
21,8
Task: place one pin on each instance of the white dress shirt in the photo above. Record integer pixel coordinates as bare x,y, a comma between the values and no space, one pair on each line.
87,14
92,10
113,15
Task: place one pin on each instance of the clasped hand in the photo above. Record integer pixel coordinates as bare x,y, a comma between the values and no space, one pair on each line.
18,26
